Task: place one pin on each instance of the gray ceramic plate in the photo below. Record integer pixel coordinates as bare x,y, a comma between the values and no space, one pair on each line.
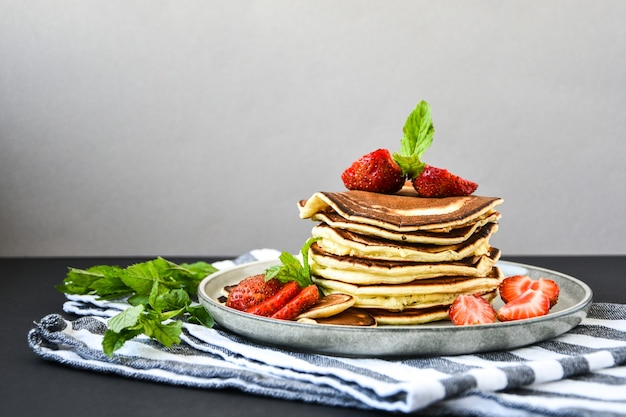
440,338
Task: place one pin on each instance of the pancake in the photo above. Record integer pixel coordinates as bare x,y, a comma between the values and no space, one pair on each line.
402,258
364,271
415,315
398,212
346,243
415,294
433,237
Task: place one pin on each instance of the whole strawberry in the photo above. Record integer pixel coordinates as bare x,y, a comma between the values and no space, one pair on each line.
376,172
439,182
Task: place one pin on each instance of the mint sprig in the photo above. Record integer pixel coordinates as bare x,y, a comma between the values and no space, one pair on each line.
291,268
159,292
418,136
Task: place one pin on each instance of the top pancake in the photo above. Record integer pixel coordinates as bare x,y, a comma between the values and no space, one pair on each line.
400,212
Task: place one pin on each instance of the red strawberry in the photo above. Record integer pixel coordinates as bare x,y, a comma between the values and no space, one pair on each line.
252,291
298,304
376,172
530,304
274,303
471,309
515,286
512,287
549,288
439,182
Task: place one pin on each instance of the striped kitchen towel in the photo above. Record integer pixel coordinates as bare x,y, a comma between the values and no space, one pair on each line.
582,372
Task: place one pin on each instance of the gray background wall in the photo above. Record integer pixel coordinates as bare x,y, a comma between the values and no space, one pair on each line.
194,127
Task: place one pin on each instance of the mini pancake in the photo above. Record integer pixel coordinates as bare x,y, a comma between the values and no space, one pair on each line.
416,294
345,243
349,317
409,317
364,271
447,237
400,212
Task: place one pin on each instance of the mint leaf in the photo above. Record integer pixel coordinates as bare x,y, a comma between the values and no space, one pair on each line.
141,277
167,334
188,276
291,268
418,136
200,315
126,319
101,280
112,341
158,293
418,131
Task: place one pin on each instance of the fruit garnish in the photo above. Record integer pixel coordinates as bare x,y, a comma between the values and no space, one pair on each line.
252,291
514,286
376,172
305,299
274,303
439,182
470,310
382,172
531,303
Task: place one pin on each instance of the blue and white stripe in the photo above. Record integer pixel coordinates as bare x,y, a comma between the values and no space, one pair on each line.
582,372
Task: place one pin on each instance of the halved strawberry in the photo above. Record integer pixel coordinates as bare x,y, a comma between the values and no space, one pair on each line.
439,182
512,287
298,304
549,287
471,309
376,171
531,303
274,303
251,291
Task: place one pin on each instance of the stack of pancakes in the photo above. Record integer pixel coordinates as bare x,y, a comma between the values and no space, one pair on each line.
403,258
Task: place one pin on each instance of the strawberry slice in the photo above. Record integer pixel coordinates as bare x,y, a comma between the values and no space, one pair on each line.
531,303
471,309
438,182
251,291
298,304
376,172
513,287
274,303
548,287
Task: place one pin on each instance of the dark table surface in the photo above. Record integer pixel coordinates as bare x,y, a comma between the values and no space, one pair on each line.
33,387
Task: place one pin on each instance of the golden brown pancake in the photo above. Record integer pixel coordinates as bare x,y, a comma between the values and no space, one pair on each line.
346,243
412,316
404,259
421,293
448,237
400,213
364,271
